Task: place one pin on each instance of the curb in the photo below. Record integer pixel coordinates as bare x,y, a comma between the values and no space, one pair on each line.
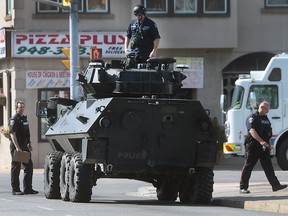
273,206
228,203
252,205
147,192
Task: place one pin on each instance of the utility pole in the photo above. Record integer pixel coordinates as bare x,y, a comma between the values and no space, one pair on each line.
72,5
74,49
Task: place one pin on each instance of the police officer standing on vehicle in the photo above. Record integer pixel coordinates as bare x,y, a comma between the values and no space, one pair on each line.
20,141
258,147
142,35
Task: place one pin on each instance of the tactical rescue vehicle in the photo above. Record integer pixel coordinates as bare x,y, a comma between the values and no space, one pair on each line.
130,125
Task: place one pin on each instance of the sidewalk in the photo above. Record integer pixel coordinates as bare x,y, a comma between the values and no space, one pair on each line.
261,198
227,194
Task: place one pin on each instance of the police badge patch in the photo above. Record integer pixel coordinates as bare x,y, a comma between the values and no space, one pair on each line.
250,120
11,122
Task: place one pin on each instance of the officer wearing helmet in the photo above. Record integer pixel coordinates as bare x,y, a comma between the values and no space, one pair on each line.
142,35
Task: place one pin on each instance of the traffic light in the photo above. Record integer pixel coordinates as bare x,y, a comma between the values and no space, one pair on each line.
66,62
95,53
66,3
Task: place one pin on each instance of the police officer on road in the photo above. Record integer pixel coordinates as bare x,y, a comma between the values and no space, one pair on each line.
258,147
142,35
20,141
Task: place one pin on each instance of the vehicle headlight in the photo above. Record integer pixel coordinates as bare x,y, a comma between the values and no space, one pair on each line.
105,122
227,129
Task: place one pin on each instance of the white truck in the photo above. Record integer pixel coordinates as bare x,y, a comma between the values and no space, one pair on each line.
269,85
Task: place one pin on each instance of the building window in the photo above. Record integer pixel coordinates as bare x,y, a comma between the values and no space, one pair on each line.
84,6
46,95
215,6
157,6
8,7
80,7
187,7
45,8
276,3
96,6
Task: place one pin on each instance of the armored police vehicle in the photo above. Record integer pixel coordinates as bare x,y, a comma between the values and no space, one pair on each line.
130,125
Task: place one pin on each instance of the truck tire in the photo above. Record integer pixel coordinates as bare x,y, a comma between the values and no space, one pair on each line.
188,190
282,155
167,192
205,180
64,176
80,180
51,175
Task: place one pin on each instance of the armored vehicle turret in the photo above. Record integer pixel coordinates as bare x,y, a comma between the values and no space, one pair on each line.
130,124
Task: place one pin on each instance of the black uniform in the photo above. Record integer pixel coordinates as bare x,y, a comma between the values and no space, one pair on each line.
20,126
142,37
255,151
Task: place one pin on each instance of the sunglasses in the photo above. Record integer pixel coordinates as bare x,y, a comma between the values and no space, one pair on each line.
139,15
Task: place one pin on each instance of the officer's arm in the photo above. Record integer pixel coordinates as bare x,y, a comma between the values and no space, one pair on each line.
155,48
15,141
256,136
126,44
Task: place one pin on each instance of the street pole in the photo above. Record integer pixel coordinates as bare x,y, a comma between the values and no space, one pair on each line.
74,49
74,40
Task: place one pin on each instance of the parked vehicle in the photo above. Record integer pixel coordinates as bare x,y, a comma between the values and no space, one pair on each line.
268,85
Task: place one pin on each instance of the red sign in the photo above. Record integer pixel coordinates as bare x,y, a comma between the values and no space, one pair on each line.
50,44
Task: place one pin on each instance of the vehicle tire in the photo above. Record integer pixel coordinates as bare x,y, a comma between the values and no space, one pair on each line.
64,176
80,179
282,155
167,192
52,175
205,180
188,190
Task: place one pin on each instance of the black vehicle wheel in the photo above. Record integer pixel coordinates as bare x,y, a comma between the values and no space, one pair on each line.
282,155
64,176
167,192
188,190
51,175
80,180
205,180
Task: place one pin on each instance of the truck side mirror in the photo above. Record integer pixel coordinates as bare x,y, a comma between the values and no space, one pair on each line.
222,103
253,100
41,109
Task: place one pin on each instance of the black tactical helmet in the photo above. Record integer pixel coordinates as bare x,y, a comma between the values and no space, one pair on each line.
139,9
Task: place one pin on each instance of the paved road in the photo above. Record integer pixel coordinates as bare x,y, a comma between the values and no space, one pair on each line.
226,188
121,197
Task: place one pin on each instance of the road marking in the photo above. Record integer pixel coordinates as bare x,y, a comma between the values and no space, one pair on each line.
6,200
42,207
